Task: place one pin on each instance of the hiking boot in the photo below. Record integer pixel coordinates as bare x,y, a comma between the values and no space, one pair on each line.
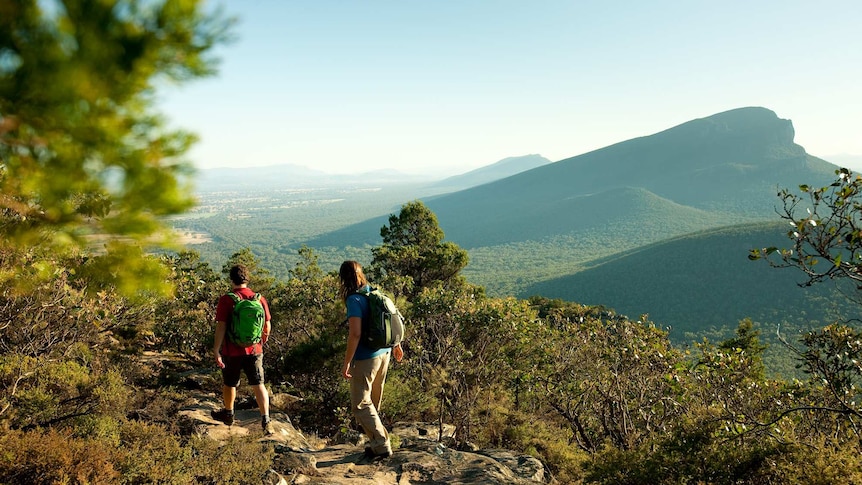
381,456
268,429
369,453
223,415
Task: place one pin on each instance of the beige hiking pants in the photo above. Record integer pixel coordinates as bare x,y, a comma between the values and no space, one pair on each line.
366,392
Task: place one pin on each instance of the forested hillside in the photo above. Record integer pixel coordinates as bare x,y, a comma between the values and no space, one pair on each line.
709,269
703,284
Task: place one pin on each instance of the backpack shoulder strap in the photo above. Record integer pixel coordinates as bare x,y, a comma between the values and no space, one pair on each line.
237,298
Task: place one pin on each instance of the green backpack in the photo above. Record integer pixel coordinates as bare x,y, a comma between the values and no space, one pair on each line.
246,326
384,326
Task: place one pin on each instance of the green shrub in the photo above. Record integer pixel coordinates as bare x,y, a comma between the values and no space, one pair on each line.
822,463
53,457
403,399
238,461
549,443
149,454
144,453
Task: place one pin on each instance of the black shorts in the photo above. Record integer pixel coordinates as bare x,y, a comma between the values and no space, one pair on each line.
252,365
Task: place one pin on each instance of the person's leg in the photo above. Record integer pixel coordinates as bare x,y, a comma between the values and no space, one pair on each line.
228,396
261,395
230,381
379,381
254,371
364,374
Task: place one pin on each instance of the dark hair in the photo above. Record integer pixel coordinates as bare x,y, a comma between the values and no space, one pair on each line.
239,274
352,278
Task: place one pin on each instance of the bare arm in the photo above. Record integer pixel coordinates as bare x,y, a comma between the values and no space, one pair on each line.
264,336
353,337
221,327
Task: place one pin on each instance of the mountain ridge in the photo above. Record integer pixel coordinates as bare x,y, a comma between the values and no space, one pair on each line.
702,164
504,168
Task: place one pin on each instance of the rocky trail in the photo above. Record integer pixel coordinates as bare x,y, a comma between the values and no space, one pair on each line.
420,458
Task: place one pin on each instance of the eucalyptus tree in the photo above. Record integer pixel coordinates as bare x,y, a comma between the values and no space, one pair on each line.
87,165
826,244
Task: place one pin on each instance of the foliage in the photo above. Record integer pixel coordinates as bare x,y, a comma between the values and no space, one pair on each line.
185,320
594,266
827,244
546,440
465,351
143,453
833,356
53,367
52,457
826,235
84,160
747,344
307,344
413,255
617,386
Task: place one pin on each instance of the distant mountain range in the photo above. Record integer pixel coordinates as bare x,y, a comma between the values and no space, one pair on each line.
294,176
297,176
599,228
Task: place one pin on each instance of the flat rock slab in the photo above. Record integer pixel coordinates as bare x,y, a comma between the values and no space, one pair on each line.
246,423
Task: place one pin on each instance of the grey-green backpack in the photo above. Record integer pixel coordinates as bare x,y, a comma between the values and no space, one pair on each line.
384,326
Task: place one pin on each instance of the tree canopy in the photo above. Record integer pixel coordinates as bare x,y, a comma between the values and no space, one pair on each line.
413,255
86,164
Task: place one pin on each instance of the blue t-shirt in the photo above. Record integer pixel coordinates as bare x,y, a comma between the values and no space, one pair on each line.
357,306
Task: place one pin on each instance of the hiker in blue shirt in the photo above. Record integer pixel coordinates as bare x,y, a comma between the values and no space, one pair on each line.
366,368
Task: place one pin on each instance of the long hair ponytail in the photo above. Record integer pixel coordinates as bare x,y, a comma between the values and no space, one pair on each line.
352,278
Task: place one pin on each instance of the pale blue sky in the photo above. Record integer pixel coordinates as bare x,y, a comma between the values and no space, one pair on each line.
452,85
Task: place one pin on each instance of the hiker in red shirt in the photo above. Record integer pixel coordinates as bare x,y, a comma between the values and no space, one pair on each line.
233,357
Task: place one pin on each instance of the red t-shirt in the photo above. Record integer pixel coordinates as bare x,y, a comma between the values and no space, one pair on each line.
224,312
